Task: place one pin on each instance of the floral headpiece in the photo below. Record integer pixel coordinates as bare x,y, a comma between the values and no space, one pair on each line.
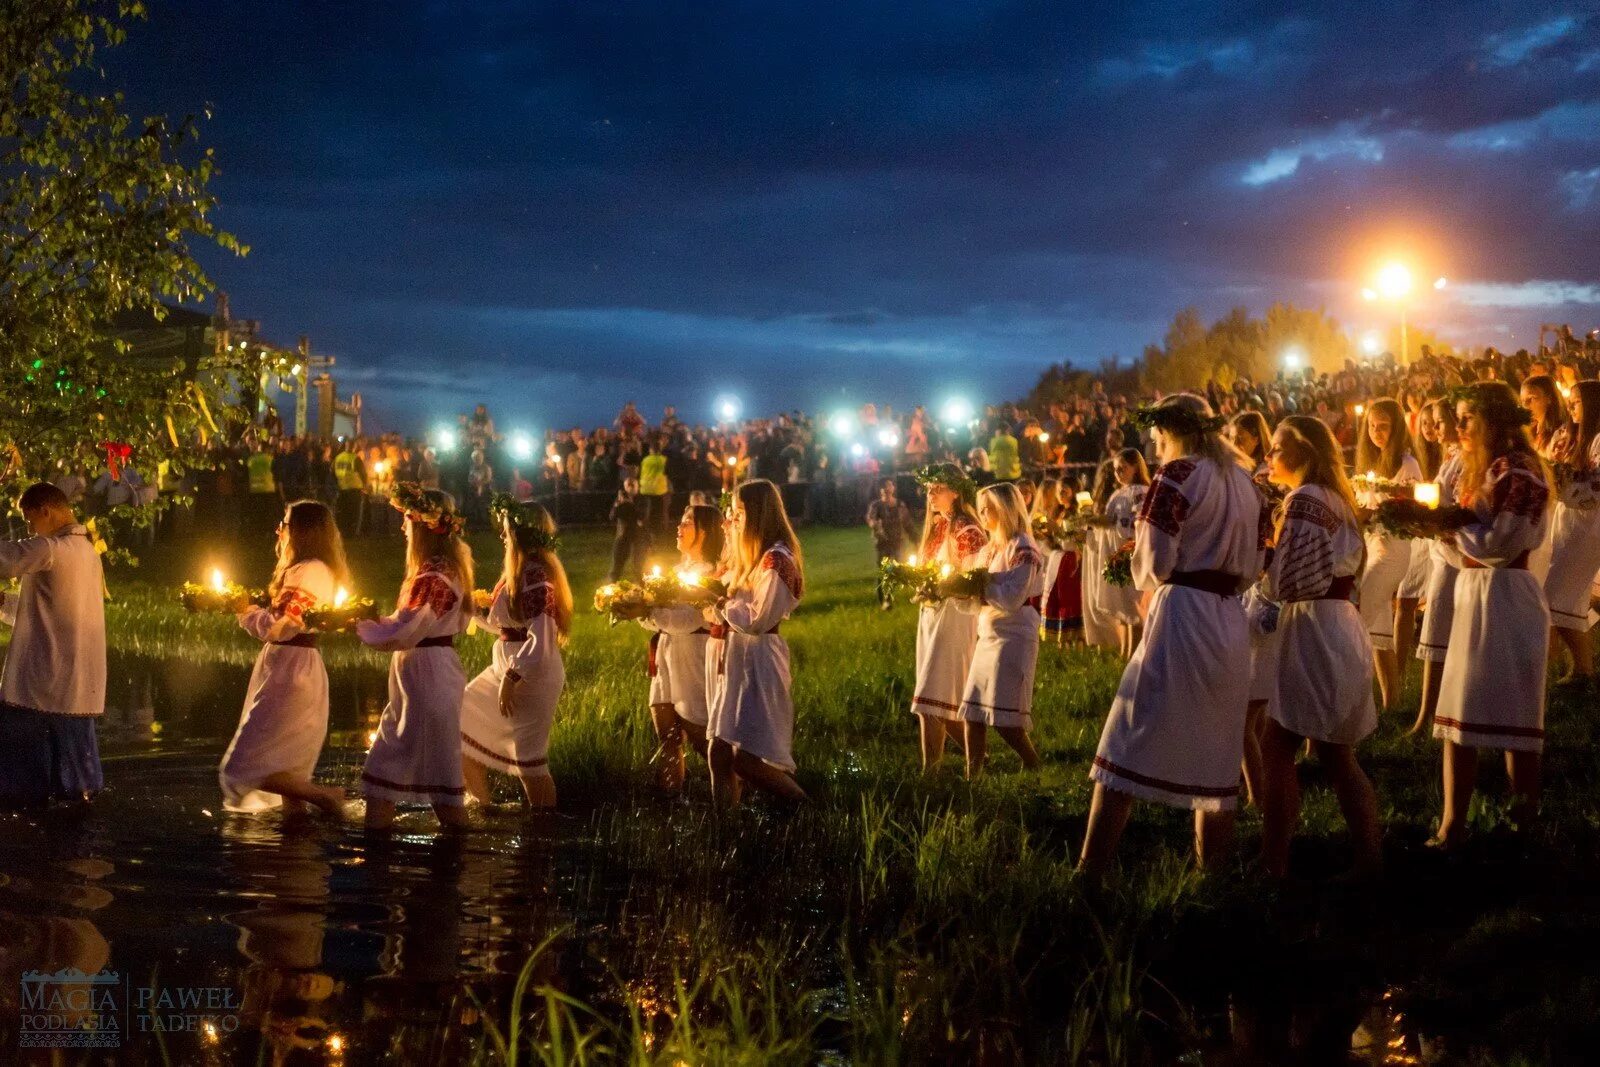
1177,419
950,476
1498,403
506,508
411,500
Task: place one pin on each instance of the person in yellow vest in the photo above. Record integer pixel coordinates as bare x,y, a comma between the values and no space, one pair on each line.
264,503
1005,460
351,475
654,488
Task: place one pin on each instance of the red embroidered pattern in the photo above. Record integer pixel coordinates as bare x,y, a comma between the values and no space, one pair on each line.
935,541
778,559
1164,506
1026,556
431,589
970,539
1517,487
534,597
293,602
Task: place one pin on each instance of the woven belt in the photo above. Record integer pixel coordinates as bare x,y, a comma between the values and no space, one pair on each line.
1217,583
718,631
514,636
1034,602
438,642
1341,588
1518,564
298,641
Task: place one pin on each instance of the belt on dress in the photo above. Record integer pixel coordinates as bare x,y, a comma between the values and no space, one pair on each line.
655,642
1035,603
1218,583
1341,588
298,641
514,636
1518,564
448,641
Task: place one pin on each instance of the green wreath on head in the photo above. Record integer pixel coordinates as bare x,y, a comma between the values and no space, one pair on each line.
950,476
411,500
504,507
1490,400
1175,419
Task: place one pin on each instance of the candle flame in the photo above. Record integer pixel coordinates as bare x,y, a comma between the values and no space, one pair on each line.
340,597
944,571
911,560
1426,493
1372,476
217,581
686,577
655,572
1360,408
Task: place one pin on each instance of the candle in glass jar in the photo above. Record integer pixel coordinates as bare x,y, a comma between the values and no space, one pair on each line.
1426,493
1085,499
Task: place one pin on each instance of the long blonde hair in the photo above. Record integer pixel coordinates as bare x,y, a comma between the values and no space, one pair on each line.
529,538
766,523
1386,463
313,535
426,543
1047,499
1006,500
1326,465
1207,443
1505,423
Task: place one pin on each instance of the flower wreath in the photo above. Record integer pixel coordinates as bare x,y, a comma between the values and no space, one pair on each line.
504,507
411,500
1175,419
950,476
1490,400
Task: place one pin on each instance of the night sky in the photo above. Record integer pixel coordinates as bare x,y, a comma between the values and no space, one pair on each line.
556,207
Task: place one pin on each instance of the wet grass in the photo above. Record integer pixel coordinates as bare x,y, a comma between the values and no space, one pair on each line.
899,919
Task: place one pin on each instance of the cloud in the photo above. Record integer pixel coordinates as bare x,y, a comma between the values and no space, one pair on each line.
1345,140
1510,49
1580,187
1530,294
1572,122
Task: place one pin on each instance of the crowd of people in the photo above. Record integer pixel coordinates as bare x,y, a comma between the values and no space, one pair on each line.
1289,546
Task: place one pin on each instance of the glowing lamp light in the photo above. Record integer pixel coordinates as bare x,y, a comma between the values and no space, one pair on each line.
1440,283
380,468
1394,281
1371,344
957,411
858,450
217,581
336,1044
444,439
728,408
521,446
1426,493
888,438
340,597
911,560
1044,438
1293,359
1369,294
842,424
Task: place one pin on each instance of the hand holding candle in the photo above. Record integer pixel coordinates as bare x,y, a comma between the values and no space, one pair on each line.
217,595
342,615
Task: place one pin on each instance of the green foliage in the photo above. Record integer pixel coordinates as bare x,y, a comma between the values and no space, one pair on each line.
98,211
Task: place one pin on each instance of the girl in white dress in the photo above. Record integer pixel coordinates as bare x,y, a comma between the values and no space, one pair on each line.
508,709
751,726
1121,602
1492,695
1414,586
275,749
1439,598
1099,629
999,687
416,757
1175,733
1249,433
1044,511
677,659
946,631
1384,449
1575,532
1324,670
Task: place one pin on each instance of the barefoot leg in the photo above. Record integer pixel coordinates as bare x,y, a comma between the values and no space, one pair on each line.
1108,817
1018,739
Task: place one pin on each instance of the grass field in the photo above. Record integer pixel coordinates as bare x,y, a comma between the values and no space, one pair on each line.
898,919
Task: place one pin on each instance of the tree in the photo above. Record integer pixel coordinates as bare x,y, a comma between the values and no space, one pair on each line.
1314,334
97,215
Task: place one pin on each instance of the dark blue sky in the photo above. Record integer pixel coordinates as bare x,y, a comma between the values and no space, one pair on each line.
558,206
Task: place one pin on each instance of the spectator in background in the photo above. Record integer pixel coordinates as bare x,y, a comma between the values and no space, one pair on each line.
1005,457
890,522
654,489
629,422
627,551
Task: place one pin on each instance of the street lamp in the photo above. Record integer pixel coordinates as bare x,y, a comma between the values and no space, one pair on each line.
1394,284
728,408
1293,360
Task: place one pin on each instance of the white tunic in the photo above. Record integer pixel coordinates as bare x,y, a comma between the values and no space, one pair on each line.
416,758
1575,541
947,629
999,689
1439,599
57,660
518,745
1324,675
753,711
678,638
1388,559
285,716
1099,628
1119,603
1175,732
1492,692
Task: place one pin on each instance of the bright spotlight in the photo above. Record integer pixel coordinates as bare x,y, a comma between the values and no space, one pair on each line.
1394,281
444,439
858,450
888,438
1371,343
728,408
842,424
957,411
521,446
1439,283
1293,360
1369,294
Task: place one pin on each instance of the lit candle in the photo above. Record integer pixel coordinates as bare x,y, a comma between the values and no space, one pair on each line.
686,576
1360,408
1044,437
1372,477
340,597
655,572
1084,499
1426,493
608,589
1566,390
944,571
217,581
911,560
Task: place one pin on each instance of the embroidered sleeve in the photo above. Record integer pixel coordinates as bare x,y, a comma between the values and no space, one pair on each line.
1510,516
787,569
1302,565
534,596
1164,506
431,591
970,540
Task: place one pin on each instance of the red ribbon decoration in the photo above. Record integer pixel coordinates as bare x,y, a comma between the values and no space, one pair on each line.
117,454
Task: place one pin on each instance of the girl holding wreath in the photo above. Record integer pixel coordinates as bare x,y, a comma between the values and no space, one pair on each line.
1575,531
416,758
1439,596
1175,733
946,630
507,711
1384,450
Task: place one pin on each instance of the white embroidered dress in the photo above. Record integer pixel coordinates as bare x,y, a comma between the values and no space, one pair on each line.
679,637
753,711
1119,603
947,629
1492,693
1324,668
416,758
285,718
1439,598
519,745
1388,560
1099,628
999,689
1574,539
1175,732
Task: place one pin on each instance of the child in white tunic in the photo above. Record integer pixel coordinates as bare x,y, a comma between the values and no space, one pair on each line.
999,688
1384,450
416,758
1120,603
1575,531
946,631
1175,733
1492,694
677,659
751,724
507,710
1324,668
274,751
1099,629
